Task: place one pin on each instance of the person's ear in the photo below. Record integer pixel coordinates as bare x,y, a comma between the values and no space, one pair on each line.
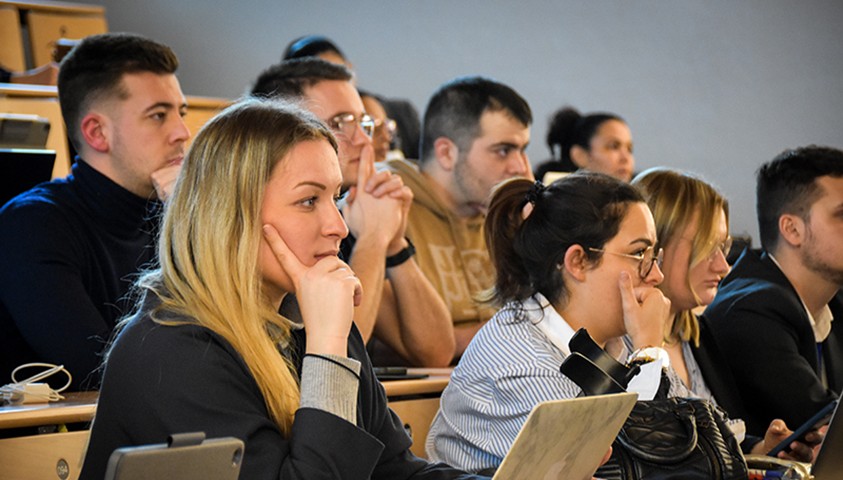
94,129
579,156
792,229
446,152
575,263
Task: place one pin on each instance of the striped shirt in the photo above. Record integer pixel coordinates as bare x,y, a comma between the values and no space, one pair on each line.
508,368
511,365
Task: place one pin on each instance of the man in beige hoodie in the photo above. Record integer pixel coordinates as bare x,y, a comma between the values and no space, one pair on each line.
474,135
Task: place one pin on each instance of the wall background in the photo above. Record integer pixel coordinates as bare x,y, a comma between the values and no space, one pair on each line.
716,87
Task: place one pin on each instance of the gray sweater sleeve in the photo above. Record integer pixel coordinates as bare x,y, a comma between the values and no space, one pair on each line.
327,386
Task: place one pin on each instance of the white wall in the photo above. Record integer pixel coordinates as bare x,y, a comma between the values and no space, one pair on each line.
716,86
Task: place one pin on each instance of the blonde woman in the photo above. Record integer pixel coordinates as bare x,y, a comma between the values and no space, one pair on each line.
692,225
252,220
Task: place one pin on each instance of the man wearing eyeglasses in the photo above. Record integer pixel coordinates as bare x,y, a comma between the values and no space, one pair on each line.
400,306
474,135
772,316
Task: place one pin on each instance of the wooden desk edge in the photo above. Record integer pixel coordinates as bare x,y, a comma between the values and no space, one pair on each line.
56,6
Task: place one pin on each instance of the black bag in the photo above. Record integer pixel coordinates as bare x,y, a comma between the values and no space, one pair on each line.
675,438
665,438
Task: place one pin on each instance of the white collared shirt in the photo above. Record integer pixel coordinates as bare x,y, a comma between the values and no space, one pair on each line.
821,325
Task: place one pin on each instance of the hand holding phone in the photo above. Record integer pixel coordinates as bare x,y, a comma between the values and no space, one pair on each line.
821,418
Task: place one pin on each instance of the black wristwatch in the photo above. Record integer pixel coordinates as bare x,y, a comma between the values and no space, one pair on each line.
402,256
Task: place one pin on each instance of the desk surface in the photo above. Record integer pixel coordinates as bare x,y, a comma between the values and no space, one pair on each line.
56,6
81,406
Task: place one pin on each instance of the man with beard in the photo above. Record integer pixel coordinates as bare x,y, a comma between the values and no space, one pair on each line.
69,248
773,314
474,135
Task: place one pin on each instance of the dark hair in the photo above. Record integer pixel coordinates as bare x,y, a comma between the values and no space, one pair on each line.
310,46
407,122
787,184
584,208
289,78
568,128
94,70
455,109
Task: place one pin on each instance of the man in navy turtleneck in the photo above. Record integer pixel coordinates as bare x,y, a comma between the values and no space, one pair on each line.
70,249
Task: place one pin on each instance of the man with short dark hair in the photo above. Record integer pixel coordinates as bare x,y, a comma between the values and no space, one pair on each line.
475,133
399,306
69,249
772,316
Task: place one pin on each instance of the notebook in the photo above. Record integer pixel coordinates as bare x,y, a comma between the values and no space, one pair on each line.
566,439
215,459
829,463
22,169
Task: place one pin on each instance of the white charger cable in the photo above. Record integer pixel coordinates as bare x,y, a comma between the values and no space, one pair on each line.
30,390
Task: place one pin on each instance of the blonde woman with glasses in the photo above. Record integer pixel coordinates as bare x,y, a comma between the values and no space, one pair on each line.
692,225
251,222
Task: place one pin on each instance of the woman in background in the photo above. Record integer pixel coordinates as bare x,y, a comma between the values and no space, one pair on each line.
692,224
252,220
599,142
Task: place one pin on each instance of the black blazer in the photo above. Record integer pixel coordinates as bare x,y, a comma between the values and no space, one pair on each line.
763,331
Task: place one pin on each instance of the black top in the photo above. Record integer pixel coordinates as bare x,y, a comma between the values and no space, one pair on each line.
69,252
764,333
163,379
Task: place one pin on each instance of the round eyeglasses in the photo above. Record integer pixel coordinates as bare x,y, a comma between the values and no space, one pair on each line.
646,259
347,123
723,247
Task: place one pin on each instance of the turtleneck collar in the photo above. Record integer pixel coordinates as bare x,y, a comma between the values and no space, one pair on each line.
118,209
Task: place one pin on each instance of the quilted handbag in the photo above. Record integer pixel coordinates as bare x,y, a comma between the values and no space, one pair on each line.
675,438
665,438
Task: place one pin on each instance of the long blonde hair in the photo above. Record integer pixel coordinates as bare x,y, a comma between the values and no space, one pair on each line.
676,199
211,235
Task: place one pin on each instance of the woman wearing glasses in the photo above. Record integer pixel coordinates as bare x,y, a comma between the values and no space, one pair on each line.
580,253
692,224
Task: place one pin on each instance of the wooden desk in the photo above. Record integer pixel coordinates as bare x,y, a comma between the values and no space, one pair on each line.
56,6
414,401
76,407
431,386
81,406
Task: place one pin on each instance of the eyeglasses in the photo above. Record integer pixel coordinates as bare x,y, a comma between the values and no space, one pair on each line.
347,123
723,247
386,125
646,259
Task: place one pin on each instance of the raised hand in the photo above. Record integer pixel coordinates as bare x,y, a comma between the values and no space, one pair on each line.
645,312
375,205
164,179
327,293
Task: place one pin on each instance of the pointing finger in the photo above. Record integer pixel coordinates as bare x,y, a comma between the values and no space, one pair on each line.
366,167
288,260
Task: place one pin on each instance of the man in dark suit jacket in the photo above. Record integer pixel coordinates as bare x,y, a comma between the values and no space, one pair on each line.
772,315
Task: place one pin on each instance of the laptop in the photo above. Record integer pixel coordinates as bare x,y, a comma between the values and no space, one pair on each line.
22,169
195,459
829,463
566,439
23,131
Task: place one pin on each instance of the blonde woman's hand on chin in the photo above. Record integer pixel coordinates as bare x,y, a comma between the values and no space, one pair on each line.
327,293
646,311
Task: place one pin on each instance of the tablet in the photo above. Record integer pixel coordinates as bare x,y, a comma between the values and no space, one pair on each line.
215,459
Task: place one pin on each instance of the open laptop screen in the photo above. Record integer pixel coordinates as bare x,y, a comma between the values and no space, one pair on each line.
22,169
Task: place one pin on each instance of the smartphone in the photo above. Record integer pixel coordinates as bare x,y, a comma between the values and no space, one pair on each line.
821,418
